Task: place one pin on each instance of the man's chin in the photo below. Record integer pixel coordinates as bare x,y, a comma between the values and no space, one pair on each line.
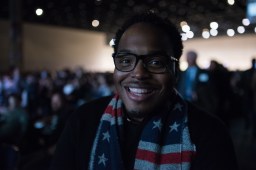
137,114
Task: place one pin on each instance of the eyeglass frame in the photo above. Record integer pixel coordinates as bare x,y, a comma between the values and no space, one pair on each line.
171,59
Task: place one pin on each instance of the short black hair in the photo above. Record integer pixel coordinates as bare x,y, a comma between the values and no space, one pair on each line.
155,20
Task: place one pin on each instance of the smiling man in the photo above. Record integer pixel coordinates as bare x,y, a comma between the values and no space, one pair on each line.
142,76
147,124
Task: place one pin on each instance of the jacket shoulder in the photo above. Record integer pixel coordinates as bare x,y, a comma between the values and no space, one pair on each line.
214,146
74,146
92,110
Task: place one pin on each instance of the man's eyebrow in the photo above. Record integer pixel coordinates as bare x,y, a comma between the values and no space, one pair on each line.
124,51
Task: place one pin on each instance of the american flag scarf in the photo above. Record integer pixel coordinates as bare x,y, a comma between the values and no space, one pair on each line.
165,140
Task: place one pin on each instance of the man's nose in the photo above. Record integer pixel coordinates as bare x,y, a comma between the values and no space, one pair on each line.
140,71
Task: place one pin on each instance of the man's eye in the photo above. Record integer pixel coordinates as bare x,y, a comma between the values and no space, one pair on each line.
156,63
125,61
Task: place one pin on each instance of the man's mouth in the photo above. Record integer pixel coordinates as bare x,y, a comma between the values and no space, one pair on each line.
140,94
139,91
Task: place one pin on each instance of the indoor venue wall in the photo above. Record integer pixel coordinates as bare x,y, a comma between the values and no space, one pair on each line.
48,47
235,53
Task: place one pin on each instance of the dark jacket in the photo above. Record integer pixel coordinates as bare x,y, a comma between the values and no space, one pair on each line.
203,88
214,146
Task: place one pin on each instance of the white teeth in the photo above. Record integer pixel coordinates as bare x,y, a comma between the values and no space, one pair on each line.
139,91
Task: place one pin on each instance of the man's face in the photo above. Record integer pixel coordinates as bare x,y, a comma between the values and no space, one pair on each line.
191,58
143,92
56,102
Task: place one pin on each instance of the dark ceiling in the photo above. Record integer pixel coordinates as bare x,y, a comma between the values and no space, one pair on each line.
111,13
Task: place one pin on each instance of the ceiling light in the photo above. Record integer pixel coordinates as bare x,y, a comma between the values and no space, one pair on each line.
182,23
184,37
190,34
230,32
205,34
214,25
214,32
246,22
240,29
185,28
95,23
231,2
39,12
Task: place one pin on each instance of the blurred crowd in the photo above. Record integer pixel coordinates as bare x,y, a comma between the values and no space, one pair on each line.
229,95
226,94
35,106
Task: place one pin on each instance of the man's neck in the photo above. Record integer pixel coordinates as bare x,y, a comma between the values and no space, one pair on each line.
130,117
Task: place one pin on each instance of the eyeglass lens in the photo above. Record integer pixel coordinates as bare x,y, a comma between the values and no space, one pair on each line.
154,63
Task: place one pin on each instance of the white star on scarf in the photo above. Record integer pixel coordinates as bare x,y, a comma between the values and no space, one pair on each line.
157,124
178,106
102,159
174,126
106,136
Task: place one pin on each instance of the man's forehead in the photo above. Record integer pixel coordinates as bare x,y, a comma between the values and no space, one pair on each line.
144,37
144,28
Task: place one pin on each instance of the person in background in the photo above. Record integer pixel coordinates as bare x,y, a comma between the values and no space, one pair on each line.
146,124
187,86
14,121
103,87
60,111
1,92
253,86
13,127
248,99
195,85
221,80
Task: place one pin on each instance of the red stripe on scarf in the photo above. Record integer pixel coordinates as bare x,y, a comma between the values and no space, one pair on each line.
109,110
170,158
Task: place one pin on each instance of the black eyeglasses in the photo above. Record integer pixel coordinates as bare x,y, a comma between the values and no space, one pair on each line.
154,63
